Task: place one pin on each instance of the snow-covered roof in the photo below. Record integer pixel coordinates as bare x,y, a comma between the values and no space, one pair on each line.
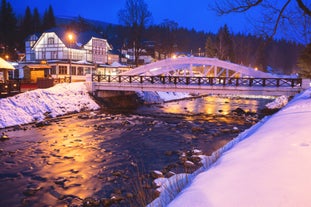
5,65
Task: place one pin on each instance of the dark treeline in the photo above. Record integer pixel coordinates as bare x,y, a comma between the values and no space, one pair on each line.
167,38
248,50
14,30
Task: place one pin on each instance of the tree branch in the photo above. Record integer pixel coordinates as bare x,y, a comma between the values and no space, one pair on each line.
304,7
279,17
238,7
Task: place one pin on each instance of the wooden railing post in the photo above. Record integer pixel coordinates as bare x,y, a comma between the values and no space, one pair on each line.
251,82
292,83
237,81
277,82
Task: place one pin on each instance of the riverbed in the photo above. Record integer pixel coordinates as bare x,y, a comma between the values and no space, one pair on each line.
106,158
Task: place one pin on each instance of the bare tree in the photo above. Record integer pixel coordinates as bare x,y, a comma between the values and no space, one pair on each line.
136,17
296,13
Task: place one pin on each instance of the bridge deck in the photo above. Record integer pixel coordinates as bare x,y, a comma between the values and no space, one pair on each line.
206,85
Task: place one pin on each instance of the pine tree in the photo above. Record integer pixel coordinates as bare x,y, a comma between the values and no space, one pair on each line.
36,21
210,49
261,55
27,24
224,44
8,29
48,19
304,62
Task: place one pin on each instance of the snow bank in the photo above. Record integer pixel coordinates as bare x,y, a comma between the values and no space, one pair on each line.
38,104
278,103
268,165
160,97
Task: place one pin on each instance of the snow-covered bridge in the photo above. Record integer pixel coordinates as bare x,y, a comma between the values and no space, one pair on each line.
198,75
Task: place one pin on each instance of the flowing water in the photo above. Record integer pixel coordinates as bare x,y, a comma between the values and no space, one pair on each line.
104,158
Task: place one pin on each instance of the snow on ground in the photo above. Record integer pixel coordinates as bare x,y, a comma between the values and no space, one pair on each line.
267,165
160,97
38,104
278,103
59,100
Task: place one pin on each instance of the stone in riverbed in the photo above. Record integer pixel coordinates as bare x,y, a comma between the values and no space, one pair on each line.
31,191
4,137
156,174
189,164
91,202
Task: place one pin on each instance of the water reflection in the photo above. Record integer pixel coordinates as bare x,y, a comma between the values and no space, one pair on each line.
214,105
72,158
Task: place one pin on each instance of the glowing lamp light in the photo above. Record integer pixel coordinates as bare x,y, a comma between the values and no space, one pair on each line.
70,36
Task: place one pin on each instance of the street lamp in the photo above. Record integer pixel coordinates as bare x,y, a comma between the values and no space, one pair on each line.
70,38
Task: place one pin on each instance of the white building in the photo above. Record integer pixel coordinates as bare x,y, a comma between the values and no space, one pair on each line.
55,51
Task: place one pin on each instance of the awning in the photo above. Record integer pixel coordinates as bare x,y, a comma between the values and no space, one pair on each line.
37,66
5,65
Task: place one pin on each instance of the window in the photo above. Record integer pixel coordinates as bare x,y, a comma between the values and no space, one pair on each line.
43,55
80,71
87,70
53,70
50,40
73,70
53,55
62,70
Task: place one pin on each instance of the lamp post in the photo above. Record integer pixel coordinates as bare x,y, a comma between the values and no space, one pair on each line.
70,38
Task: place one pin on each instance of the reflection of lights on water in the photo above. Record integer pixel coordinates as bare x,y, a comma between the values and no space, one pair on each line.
73,156
212,105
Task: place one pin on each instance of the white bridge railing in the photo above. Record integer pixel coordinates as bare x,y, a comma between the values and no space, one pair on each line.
215,85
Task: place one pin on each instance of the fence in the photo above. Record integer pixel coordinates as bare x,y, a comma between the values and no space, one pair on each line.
206,81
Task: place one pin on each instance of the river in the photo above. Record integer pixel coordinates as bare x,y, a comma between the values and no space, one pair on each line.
105,158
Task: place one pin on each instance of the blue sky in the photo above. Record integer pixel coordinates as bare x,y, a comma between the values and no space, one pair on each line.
190,14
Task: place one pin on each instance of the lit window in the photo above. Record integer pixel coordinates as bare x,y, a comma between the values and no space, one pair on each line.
50,40
54,55
43,55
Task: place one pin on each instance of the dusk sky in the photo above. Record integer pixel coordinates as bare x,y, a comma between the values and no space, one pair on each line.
190,14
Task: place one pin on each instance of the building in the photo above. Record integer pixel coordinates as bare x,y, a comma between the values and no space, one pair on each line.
5,67
59,53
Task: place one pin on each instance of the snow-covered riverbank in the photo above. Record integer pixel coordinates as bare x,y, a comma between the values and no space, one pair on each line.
59,100
267,165
41,103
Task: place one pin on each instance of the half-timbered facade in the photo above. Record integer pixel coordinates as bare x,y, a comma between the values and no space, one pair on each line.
63,56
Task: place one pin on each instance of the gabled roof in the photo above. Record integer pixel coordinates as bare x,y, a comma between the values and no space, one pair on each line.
5,65
81,38
37,35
